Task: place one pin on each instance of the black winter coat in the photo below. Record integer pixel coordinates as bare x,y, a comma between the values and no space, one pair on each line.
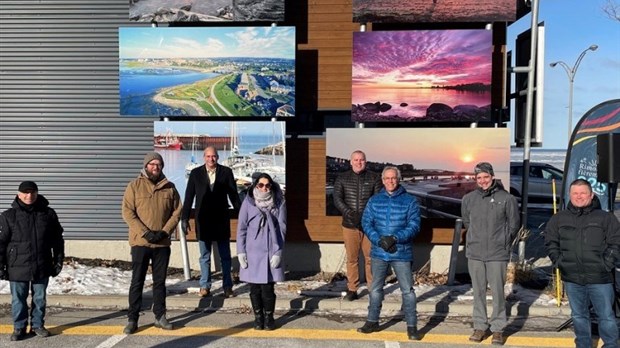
212,214
30,239
351,194
583,243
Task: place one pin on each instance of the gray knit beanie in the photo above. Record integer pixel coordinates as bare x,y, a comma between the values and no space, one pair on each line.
484,167
153,156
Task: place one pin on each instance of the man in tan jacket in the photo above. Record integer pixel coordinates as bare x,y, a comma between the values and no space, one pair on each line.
152,209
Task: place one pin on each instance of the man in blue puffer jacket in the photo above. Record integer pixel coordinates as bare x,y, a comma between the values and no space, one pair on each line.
391,220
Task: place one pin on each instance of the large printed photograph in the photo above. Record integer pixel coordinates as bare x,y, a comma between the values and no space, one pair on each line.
246,147
224,71
422,76
165,11
429,11
436,164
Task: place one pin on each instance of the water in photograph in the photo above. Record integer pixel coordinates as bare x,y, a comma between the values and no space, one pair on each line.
418,99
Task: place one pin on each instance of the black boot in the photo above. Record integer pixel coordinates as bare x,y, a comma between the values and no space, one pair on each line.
257,308
270,322
269,304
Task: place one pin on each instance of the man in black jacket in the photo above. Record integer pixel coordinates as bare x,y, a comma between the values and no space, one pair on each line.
583,241
352,190
212,185
31,250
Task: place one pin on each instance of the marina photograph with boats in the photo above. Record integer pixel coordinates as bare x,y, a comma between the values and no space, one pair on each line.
436,164
246,147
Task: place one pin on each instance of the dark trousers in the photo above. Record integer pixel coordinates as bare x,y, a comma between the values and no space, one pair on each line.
140,258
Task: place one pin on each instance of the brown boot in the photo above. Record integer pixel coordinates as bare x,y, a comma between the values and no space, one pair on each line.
477,336
498,339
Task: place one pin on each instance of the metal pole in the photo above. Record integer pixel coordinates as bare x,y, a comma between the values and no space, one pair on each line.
184,253
570,106
456,240
571,72
531,73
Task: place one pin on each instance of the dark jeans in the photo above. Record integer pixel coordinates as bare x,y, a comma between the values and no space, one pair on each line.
264,292
140,258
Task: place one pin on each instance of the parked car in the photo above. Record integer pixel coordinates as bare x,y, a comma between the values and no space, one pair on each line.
540,186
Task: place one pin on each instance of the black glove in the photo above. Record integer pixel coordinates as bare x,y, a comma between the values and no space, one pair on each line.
388,243
4,275
57,268
161,235
150,236
185,226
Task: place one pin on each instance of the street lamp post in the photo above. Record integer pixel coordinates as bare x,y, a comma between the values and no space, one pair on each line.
571,72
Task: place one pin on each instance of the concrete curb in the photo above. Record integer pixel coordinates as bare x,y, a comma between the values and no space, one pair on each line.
192,302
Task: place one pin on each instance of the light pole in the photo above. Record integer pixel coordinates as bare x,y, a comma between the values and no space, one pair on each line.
571,72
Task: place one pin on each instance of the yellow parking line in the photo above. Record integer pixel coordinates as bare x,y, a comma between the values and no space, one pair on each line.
309,334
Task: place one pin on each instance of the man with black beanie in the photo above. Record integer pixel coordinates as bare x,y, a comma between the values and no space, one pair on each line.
152,209
32,235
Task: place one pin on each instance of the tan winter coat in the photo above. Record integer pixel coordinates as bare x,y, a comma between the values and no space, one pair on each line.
149,206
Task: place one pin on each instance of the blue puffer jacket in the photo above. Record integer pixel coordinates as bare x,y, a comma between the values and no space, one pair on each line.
398,215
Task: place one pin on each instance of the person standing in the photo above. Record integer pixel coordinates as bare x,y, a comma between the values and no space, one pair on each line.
151,208
491,216
213,185
391,220
352,189
583,241
261,231
32,249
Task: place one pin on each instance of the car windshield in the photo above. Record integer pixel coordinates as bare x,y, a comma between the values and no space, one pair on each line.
552,173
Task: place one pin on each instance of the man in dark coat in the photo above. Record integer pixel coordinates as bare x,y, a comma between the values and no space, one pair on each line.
31,250
583,241
213,185
352,189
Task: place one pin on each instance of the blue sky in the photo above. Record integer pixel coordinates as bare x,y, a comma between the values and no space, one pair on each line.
571,26
210,42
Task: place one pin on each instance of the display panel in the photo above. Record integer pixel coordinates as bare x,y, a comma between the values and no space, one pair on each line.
246,147
231,71
420,11
422,76
206,11
436,164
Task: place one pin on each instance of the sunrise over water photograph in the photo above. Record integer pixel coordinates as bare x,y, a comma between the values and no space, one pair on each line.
422,75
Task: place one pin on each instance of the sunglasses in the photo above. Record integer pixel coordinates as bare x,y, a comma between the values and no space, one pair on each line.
261,185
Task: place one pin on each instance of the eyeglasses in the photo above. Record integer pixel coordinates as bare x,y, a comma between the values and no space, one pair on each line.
261,185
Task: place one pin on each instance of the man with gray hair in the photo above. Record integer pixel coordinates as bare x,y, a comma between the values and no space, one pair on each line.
491,216
391,220
352,189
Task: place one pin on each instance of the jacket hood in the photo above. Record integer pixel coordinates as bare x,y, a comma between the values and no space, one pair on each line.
399,191
594,205
40,203
495,186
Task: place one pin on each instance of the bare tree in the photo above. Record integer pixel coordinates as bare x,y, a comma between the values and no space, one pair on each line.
612,9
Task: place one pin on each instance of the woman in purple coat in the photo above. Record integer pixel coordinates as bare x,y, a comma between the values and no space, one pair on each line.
261,229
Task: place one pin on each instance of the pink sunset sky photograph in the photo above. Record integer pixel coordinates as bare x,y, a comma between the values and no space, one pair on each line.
421,58
453,149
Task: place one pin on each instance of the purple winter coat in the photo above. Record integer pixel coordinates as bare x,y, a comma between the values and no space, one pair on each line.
259,244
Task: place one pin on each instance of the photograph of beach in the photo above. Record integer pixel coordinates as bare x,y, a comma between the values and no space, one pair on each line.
436,164
165,11
204,71
246,147
418,11
422,76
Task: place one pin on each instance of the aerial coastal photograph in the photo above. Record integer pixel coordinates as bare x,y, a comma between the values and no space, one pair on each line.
230,71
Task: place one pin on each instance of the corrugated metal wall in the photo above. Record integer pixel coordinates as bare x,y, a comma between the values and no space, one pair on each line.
59,123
